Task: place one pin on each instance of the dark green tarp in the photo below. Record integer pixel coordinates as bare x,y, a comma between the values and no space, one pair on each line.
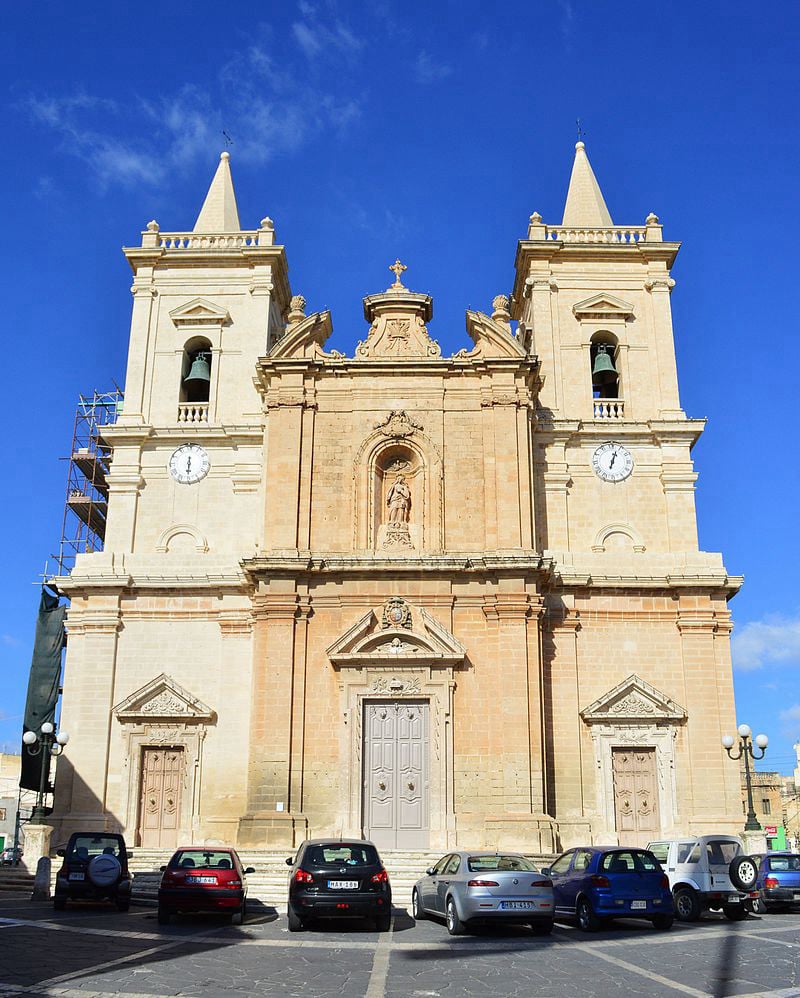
43,684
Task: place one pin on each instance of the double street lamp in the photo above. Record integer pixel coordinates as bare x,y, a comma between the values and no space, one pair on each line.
747,751
46,742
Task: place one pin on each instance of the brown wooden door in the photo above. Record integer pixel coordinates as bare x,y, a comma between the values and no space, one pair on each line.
635,795
160,801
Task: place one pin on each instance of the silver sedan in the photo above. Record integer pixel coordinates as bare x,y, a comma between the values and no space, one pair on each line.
471,887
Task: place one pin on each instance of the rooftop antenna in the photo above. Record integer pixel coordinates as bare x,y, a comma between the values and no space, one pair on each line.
228,139
581,133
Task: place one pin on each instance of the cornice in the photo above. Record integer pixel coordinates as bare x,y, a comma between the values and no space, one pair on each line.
304,563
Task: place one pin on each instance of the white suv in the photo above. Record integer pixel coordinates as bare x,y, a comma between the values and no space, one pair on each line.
708,872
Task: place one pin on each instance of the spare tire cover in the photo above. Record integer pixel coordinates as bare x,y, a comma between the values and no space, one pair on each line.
743,872
104,870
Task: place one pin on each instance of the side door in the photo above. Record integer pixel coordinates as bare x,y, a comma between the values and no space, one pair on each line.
453,865
575,880
559,872
429,884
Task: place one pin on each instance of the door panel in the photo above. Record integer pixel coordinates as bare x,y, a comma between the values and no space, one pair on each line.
395,778
160,798
635,795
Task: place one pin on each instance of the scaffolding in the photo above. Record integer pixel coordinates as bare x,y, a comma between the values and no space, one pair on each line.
86,506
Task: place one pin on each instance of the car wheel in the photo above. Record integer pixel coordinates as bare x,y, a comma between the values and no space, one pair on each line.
542,928
383,922
123,905
587,919
743,872
687,905
59,903
735,912
237,918
416,907
163,916
663,922
296,923
454,924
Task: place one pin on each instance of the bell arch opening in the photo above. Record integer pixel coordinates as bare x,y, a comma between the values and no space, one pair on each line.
196,371
604,365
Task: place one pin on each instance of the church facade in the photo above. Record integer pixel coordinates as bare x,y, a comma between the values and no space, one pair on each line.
430,600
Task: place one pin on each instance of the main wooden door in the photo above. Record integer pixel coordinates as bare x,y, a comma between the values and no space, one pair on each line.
395,774
635,795
160,798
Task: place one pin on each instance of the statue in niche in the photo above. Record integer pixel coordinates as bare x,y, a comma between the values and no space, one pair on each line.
398,499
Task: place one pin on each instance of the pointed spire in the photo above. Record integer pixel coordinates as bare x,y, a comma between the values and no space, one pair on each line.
219,212
585,206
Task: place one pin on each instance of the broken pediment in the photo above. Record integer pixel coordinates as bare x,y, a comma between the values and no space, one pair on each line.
306,338
402,635
633,700
492,337
199,312
603,306
162,698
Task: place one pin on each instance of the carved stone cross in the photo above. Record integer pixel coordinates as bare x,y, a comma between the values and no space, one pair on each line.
397,268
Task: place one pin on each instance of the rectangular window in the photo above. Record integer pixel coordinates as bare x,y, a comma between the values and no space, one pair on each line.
766,807
2,814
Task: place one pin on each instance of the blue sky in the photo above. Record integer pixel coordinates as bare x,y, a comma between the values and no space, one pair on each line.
430,132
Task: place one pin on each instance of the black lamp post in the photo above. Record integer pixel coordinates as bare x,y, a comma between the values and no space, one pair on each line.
746,749
46,741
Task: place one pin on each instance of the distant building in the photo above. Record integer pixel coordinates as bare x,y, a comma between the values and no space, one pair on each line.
9,790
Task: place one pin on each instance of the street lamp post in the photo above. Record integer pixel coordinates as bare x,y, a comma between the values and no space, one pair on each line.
47,741
747,751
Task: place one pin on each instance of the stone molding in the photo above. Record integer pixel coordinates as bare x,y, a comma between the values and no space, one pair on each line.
200,540
633,700
163,698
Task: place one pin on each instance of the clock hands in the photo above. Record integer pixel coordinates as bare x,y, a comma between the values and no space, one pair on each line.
613,459
188,464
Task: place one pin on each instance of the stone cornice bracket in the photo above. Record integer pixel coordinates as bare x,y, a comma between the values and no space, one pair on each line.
678,480
275,606
143,288
538,284
290,397
697,621
398,424
492,398
659,284
122,483
93,621
232,622
499,606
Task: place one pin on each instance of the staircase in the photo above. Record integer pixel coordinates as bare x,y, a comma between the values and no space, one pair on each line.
16,880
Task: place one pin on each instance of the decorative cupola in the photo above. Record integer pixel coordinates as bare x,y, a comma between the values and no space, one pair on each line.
398,320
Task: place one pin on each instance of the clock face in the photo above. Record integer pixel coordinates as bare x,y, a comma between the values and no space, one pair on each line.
189,464
612,462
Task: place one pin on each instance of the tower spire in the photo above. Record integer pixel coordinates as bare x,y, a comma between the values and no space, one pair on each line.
585,205
219,212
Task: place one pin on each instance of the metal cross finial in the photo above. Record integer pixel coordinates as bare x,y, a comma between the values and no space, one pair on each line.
397,268
228,139
581,133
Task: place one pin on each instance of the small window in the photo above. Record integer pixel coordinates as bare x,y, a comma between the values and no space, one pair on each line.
439,868
784,864
660,850
2,814
192,859
630,861
766,806
478,864
722,853
689,852
453,865
342,854
561,865
582,860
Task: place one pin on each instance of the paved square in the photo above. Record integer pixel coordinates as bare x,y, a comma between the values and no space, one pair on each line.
96,952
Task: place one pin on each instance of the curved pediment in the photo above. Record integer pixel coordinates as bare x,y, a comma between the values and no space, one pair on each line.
408,636
305,338
491,338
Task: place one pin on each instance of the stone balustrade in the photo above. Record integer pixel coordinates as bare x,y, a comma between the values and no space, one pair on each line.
609,408
210,240
611,234
193,412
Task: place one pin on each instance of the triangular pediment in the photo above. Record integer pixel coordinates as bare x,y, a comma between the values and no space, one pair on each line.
199,312
602,305
162,698
633,700
401,635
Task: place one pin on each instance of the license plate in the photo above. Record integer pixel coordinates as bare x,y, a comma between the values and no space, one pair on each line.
517,905
77,876
342,885
201,880
638,905
734,899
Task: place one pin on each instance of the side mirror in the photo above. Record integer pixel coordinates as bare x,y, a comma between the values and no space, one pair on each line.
162,868
250,869
431,870
61,852
289,861
545,871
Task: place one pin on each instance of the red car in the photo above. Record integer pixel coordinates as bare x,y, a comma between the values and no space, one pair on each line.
203,879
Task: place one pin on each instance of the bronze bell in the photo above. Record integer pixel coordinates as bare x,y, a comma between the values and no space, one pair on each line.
199,373
603,372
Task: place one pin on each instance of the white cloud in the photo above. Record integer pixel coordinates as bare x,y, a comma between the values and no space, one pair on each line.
772,641
10,641
791,714
315,37
428,71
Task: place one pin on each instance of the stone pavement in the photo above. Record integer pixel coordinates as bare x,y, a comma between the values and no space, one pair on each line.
96,952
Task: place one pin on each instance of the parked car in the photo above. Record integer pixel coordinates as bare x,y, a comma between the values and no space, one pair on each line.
596,883
469,888
209,879
778,881
335,879
11,856
95,868
708,872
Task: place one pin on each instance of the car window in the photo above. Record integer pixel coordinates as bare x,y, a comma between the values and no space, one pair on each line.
342,854
206,859
439,868
688,852
561,865
784,864
660,850
629,861
453,865
582,860
84,847
476,864
722,852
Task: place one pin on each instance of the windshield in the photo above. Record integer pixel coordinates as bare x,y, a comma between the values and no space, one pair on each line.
722,852
342,854
84,847
478,864
191,859
630,861
784,864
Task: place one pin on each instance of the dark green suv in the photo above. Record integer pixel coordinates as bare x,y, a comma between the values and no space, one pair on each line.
95,868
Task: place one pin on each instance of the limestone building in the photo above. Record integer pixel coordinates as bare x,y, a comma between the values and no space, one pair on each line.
432,600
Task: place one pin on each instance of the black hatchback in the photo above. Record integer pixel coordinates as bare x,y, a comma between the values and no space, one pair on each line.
344,879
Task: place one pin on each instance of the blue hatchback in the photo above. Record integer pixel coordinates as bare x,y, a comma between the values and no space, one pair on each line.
778,880
596,883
